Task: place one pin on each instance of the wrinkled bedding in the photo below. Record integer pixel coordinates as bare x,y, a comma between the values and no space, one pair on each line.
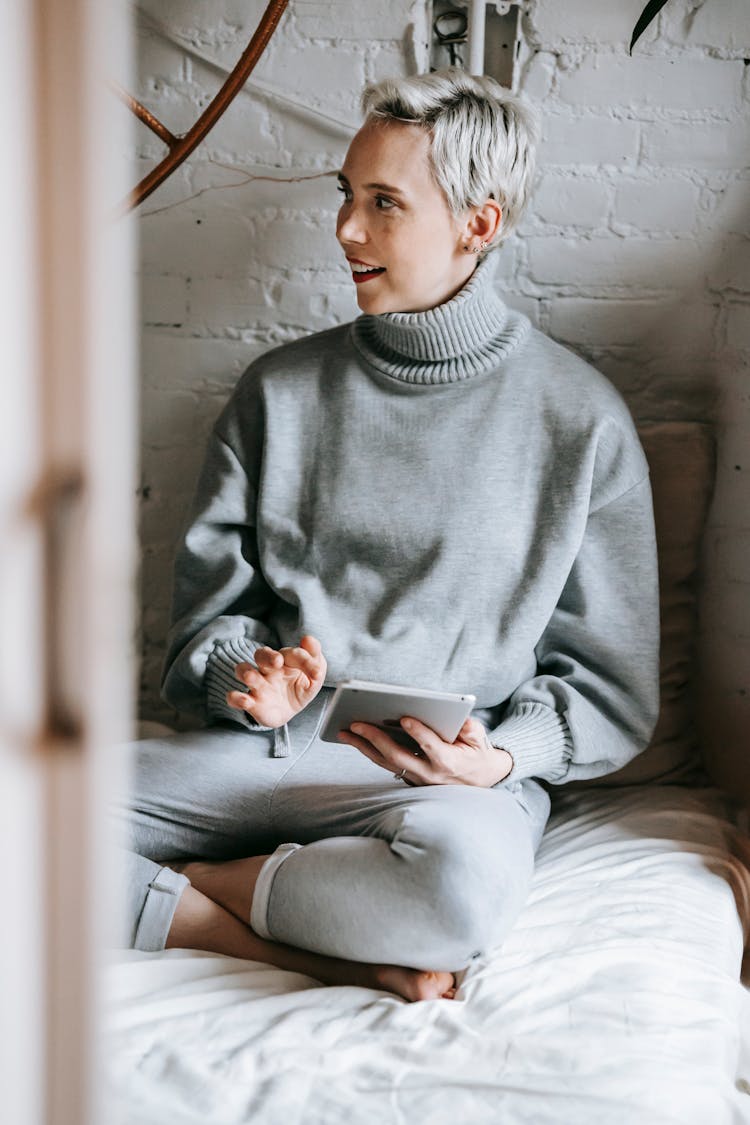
615,999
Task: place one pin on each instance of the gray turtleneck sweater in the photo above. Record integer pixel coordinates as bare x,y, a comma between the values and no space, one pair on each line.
445,499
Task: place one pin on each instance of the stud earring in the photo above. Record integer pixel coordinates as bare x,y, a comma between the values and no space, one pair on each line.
478,249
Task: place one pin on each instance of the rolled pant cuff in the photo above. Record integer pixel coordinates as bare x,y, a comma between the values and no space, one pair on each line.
162,897
263,886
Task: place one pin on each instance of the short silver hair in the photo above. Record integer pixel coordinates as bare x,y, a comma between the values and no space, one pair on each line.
483,138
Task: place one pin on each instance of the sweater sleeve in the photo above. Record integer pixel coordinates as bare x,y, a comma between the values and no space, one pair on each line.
593,704
221,600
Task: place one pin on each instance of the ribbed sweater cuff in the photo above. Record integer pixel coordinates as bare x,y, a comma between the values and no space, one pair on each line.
538,740
220,679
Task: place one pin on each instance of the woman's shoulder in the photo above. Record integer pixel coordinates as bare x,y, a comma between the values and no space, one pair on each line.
563,369
294,364
286,358
589,414
565,376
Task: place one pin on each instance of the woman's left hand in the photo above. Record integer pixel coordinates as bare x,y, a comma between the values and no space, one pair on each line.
470,760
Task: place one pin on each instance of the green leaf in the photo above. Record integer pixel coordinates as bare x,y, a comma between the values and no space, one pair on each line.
649,13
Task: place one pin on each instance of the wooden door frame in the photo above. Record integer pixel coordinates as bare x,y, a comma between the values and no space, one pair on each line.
70,420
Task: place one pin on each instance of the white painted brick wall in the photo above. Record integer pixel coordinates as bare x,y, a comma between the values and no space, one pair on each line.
584,21
563,200
738,327
635,252
651,82
706,145
720,26
587,141
647,204
606,263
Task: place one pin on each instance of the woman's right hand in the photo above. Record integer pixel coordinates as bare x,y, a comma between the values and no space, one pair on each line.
283,683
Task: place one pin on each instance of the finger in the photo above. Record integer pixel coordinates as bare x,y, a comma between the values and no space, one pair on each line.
268,658
473,731
304,661
240,701
423,735
241,669
251,677
377,758
319,666
311,644
364,747
475,726
371,752
383,741
395,757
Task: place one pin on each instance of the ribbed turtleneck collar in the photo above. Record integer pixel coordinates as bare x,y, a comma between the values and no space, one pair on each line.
467,336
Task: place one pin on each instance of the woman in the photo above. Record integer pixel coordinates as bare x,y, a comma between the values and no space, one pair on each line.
437,496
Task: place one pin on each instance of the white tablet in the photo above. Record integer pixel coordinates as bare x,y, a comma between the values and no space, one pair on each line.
384,705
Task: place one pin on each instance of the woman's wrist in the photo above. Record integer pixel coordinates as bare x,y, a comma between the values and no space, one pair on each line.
500,765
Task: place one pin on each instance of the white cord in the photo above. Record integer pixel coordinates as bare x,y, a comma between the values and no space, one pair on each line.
477,21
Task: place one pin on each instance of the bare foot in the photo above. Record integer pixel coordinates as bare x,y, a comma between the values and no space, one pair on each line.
415,985
411,984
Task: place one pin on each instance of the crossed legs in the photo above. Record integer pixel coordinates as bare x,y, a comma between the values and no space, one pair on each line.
206,919
391,888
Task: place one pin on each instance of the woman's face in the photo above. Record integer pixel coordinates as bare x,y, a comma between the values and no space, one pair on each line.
396,220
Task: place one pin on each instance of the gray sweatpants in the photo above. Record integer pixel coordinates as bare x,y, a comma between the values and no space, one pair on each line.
428,877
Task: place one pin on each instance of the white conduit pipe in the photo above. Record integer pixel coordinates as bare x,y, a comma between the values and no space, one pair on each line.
477,18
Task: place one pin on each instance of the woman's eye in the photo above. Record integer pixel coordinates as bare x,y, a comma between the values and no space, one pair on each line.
344,191
383,203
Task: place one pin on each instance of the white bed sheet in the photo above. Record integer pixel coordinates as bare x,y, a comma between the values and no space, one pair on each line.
615,999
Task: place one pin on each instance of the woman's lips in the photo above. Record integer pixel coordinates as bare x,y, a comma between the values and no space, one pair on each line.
359,278
361,272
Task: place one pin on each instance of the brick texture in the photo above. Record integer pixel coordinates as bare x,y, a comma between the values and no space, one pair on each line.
342,20
612,263
723,26
585,21
704,144
588,141
634,251
648,204
566,201
653,82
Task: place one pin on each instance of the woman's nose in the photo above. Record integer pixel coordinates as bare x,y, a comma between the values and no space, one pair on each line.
349,226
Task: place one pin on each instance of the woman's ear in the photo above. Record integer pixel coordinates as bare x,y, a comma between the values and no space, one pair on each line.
483,223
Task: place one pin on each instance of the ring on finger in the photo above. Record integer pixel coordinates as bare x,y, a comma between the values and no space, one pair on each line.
400,776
